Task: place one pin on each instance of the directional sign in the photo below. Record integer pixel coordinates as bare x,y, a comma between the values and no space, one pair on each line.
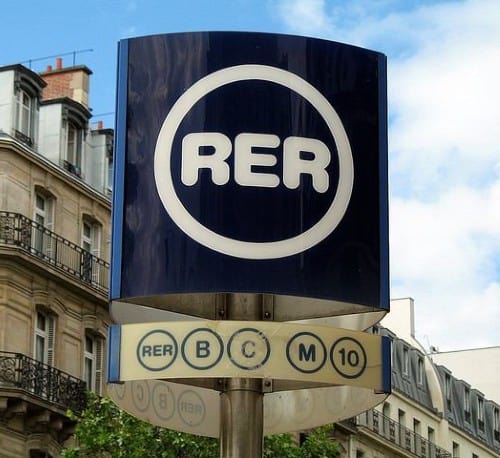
249,349
197,410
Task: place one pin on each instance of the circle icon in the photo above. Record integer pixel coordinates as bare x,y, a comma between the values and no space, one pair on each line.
191,408
348,357
163,401
140,395
240,248
202,349
157,350
306,352
248,349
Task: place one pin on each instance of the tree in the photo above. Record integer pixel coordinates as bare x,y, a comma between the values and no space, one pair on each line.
105,431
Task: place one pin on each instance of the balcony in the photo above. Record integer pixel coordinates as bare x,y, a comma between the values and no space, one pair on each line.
36,240
20,372
399,435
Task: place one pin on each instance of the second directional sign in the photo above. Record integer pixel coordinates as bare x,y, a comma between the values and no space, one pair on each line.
249,349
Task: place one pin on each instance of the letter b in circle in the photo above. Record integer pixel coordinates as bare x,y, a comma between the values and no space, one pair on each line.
202,349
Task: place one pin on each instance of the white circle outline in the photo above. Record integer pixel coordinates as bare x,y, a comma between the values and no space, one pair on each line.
237,248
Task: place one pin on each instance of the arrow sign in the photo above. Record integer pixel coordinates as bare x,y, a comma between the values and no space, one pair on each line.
250,349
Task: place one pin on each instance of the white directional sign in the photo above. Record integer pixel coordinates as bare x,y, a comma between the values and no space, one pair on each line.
251,349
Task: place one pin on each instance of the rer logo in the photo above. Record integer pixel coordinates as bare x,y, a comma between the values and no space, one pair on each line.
256,161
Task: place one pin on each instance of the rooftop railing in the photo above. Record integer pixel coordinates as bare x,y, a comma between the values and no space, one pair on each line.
38,241
43,381
399,435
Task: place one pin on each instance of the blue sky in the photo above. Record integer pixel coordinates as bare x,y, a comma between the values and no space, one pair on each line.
444,109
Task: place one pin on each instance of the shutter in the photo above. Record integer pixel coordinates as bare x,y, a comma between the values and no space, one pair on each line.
96,239
96,243
50,340
99,363
49,224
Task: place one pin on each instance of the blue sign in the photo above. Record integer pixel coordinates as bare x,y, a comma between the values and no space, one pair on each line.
250,162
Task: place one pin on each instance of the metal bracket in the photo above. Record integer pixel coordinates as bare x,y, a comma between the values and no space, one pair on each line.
268,307
267,385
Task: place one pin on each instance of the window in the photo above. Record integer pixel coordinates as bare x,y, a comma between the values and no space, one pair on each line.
447,389
386,411
480,413
431,438
402,427
496,423
44,217
110,159
406,362
420,371
44,338
91,237
93,362
74,119
24,112
417,437
416,426
26,115
91,240
467,404
110,174
456,450
401,417
74,146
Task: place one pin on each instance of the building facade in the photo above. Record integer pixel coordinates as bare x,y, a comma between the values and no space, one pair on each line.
431,412
54,255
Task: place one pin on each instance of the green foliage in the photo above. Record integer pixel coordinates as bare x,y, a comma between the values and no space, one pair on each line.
105,431
281,446
319,445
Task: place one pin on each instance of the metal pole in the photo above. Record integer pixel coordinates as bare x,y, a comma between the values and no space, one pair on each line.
242,401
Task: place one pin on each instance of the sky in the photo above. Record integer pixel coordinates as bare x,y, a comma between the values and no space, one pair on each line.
444,116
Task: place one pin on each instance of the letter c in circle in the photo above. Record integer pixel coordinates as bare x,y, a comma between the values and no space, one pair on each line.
244,349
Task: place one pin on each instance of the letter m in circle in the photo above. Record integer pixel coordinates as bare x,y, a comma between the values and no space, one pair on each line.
307,353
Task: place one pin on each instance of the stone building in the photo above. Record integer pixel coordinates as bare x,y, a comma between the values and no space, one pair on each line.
431,413
54,255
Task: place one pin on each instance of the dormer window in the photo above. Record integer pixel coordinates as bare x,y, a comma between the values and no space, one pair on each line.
447,389
74,144
406,361
420,371
25,113
496,423
74,126
480,413
467,404
26,94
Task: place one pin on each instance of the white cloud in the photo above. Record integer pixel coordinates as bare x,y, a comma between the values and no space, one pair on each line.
444,106
303,16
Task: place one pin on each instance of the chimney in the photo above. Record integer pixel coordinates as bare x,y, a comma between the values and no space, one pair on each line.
99,125
71,82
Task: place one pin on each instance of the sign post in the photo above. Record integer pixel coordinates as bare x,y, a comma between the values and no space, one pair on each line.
250,193
242,435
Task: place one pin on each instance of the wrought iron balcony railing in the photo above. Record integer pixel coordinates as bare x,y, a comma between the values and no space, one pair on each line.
38,241
46,382
400,435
